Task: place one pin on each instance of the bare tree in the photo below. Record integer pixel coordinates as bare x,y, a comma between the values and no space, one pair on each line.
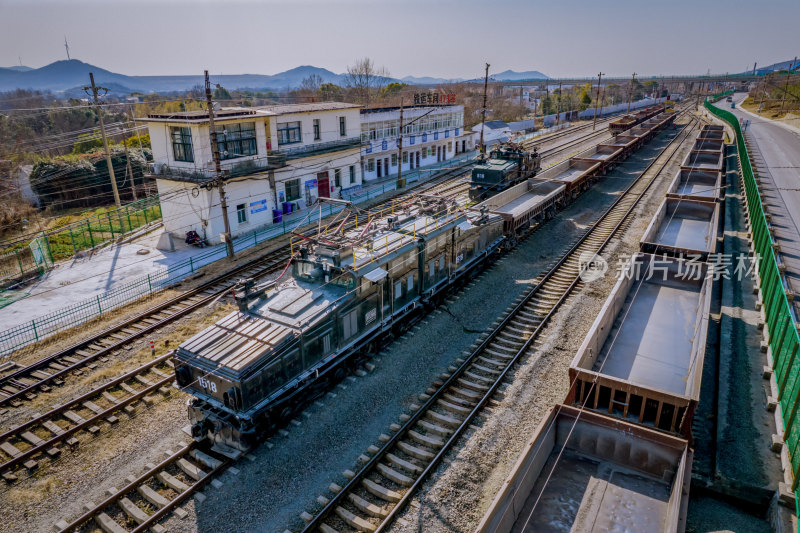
311,83
365,79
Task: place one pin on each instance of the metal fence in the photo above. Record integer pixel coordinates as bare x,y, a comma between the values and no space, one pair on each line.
780,321
29,332
65,241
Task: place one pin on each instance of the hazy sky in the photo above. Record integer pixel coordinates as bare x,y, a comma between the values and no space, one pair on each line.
446,38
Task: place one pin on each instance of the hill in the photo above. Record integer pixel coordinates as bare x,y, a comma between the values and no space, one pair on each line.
73,74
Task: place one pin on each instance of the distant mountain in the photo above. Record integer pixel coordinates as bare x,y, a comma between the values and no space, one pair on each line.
72,75
510,75
427,80
18,68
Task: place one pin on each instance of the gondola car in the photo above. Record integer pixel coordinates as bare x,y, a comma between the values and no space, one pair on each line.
506,166
348,293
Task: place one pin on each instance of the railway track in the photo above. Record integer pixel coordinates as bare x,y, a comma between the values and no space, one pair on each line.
24,383
153,495
374,496
44,436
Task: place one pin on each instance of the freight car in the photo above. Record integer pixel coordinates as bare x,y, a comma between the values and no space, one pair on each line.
642,359
507,165
585,472
628,121
683,227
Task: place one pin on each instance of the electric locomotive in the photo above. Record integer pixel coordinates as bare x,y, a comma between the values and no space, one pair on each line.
507,165
349,292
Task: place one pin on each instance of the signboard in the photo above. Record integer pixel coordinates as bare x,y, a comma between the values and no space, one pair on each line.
446,134
384,145
457,131
434,98
412,139
369,148
311,184
257,207
425,137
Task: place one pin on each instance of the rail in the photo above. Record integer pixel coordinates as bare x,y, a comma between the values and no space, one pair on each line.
784,341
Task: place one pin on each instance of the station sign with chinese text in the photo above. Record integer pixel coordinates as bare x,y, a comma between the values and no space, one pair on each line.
434,98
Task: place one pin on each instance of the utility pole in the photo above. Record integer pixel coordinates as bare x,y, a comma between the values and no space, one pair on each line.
558,115
400,181
223,202
786,88
128,168
94,89
594,122
483,114
630,92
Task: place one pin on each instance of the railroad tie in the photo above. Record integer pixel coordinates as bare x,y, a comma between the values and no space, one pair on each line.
367,507
393,475
133,510
108,524
408,466
443,418
413,451
354,521
430,441
53,428
73,417
190,469
152,496
10,450
433,428
380,491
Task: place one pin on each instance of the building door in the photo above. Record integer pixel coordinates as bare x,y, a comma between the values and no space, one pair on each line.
417,159
380,164
463,146
438,153
386,165
323,185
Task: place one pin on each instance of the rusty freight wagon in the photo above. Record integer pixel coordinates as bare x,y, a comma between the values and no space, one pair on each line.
711,131
609,156
703,185
708,145
622,124
574,174
704,161
683,227
628,143
583,472
526,203
642,359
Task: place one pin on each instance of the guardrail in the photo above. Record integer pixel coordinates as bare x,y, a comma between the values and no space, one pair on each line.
19,336
784,341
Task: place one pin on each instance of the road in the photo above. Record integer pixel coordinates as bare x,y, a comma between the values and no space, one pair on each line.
775,156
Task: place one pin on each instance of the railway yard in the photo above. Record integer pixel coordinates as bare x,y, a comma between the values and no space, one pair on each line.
509,364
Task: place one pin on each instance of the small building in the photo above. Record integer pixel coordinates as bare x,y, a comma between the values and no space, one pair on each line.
274,159
495,131
431,134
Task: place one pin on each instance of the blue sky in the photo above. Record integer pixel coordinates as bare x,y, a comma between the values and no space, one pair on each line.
447,38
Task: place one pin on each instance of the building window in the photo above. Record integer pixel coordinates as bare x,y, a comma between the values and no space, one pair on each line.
236,140
337,177
370,165
342,127
450,146
241,213
405,157
182,144
394,160
289,133
316,130
352,174
292,188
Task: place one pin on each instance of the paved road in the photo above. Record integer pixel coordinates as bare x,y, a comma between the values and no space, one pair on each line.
775,156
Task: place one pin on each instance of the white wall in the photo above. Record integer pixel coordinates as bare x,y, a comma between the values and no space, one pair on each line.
329,126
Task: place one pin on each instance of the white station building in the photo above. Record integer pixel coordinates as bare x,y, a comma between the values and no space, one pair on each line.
431,134
275,160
